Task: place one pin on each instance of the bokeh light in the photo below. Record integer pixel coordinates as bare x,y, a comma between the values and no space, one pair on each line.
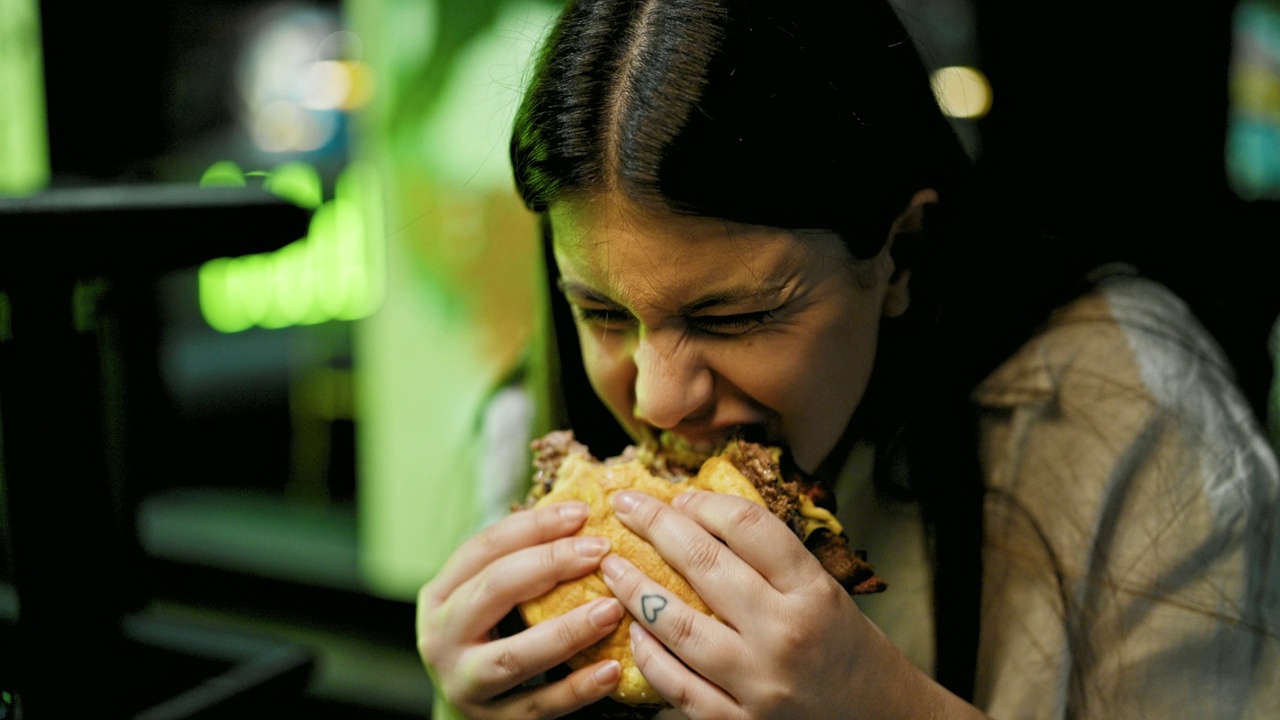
299,76
962,92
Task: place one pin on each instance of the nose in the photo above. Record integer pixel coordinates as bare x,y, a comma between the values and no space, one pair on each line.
673,384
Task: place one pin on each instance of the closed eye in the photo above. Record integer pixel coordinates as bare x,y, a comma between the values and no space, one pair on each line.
603,318
613,319
730,324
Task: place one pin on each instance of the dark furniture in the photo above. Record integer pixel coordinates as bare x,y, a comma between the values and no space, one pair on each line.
78,648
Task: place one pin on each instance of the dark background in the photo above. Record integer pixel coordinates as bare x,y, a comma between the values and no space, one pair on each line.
1110,118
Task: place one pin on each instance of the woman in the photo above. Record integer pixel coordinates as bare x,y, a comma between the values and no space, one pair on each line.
759,224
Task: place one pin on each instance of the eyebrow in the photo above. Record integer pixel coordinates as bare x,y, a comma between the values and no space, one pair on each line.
726,297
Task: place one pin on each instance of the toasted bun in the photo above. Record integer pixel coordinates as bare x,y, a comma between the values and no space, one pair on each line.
569,472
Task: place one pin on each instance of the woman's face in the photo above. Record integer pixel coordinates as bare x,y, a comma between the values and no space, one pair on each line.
706,329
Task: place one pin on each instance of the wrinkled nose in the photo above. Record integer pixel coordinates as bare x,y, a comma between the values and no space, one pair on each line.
673,384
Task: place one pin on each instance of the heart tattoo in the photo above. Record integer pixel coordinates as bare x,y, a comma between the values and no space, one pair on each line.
650,606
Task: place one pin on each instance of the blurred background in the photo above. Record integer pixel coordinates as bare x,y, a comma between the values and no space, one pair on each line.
264,275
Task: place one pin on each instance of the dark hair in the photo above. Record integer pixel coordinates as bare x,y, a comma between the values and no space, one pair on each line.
780,113
813,115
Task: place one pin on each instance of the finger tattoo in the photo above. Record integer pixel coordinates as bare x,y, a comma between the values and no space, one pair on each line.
651,606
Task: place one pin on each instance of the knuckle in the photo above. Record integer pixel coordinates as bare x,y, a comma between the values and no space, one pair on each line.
773,695
546,520
426,646
427,597
566,633
557,555
505,668
549,556
487,584
582,690
829,592
687,700
489,541
702,557
650,513
823,592
747,515
681,631
531,709
794,637
429,631
555,700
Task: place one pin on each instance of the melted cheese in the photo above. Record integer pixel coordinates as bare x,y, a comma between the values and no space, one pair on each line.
816,518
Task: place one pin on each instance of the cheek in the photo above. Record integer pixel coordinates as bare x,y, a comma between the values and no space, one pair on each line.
846,357
610,371
823,398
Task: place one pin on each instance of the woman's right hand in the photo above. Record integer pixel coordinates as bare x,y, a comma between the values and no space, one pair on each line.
518,558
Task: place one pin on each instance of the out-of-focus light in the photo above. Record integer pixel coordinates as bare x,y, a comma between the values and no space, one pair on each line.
1255,91
315,131
297,78
1252,154
283,126
225,173
362,85
335,273
297,182
328,84
337,85
342,44
962,92
276,126
24,145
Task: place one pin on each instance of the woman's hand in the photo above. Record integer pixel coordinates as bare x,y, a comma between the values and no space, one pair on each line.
517,559
792,643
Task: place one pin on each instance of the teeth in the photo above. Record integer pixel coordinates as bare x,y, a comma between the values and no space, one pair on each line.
669,442
675,442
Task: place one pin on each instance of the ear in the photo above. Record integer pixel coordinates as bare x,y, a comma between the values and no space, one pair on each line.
897,297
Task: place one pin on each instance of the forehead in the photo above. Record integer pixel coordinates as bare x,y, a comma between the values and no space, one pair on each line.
633,253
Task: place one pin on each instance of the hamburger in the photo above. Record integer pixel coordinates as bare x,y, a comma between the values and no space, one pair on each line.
566,470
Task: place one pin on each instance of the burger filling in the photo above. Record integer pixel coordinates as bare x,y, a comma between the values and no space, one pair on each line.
792,497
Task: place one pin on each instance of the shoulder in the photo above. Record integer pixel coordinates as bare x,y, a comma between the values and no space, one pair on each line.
1127,369
1129,353
1126,330
1130,512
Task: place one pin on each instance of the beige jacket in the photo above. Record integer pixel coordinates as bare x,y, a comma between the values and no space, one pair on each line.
1132,562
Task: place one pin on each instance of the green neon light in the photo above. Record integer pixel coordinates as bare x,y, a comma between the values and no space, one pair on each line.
334,273
24,139
223,174
298,183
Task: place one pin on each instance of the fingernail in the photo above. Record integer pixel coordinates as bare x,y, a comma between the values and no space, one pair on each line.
612,568
607,612
608,673
637,636
679,500
624,502
591,546
573,511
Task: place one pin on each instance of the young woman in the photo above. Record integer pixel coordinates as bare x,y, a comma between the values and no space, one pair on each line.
758,223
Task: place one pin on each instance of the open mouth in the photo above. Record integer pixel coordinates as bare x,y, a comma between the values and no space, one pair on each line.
683,456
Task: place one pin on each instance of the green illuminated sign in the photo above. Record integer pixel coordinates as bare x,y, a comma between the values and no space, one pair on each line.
336,272
24,144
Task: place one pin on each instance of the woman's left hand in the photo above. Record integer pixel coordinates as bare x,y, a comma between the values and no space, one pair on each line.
792,643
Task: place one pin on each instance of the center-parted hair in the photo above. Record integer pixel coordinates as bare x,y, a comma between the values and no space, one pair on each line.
783,113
